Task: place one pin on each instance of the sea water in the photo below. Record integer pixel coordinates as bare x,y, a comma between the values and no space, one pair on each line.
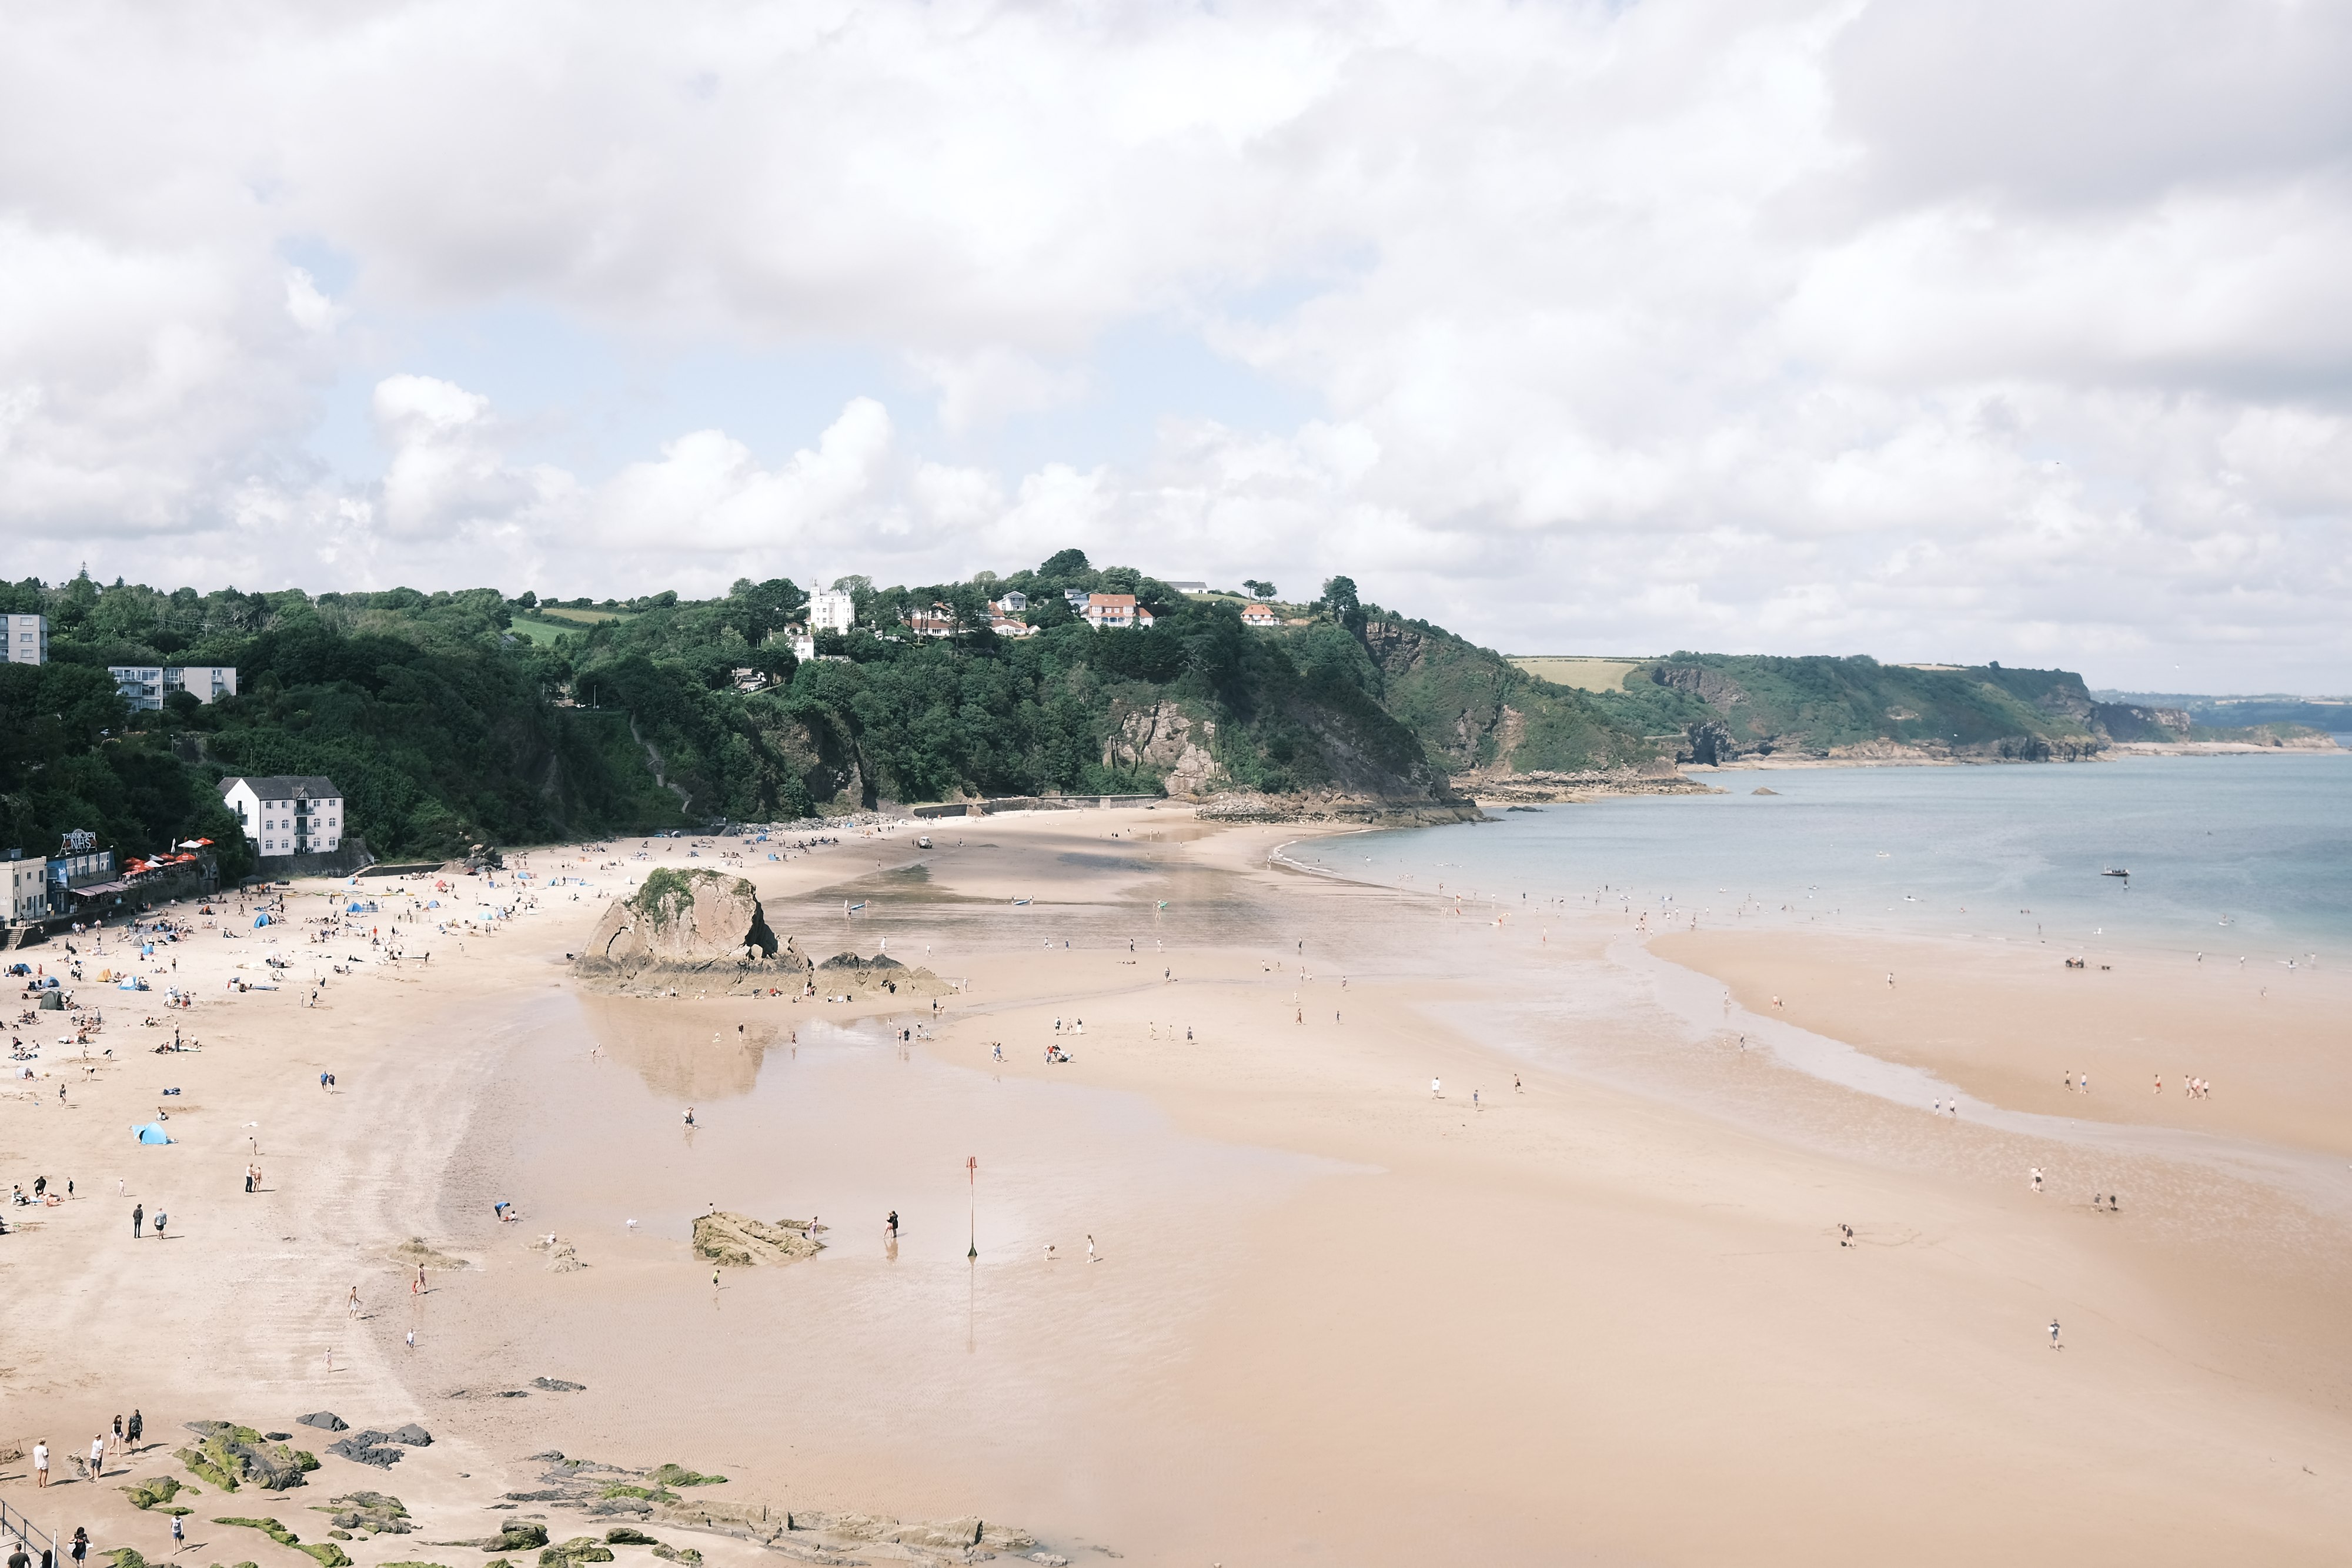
2238,855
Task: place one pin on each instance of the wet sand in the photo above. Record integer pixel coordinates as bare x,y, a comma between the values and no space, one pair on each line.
1338,1320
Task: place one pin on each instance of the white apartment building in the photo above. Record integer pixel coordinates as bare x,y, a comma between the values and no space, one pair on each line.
286,814
29,639
27,893
830,610
146,686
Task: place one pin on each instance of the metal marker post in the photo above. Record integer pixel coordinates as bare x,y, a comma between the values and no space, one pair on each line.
971,1175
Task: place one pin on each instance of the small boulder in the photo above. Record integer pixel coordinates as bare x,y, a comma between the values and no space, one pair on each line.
325,1420
558,1386
520,1535
628,1535
414,1436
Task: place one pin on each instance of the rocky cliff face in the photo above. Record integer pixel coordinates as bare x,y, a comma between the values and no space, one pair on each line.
1168,741
680,922
1712,687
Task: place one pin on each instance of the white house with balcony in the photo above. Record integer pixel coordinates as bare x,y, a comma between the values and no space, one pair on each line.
286,814
146,686
29,639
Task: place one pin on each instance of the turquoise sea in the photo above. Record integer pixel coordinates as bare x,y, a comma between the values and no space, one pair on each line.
2227,854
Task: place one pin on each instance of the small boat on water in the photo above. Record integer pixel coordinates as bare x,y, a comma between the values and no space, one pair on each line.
1019,901
2113,870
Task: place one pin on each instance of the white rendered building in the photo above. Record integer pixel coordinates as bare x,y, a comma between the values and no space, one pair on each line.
146,686
27,890
830,609
286,814
29,639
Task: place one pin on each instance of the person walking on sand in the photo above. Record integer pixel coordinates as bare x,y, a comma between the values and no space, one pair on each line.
419,1289
98,1456
138,1218
179,1536
1092,1257
351,1302
41,1463
136,1429
2035,1174
1435,1092
2054,1336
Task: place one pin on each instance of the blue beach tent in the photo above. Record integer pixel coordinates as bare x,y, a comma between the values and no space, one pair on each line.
153,1132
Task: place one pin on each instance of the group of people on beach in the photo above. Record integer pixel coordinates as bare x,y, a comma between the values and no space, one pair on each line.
125,1437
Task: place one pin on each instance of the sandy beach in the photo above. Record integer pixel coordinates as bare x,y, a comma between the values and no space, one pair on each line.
1590,1299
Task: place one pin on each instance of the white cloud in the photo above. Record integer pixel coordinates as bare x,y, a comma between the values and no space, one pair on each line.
1883,324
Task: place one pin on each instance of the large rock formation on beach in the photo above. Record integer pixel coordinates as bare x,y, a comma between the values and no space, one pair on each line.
681,925
848,974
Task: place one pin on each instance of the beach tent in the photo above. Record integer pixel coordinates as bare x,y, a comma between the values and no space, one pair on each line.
153,1132
259,921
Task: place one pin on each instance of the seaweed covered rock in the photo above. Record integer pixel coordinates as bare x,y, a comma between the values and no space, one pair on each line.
152,1492
369,1510
628,1535
739,1241
520,1535
579,1548
675,1475
230,1455
680,922
685,1554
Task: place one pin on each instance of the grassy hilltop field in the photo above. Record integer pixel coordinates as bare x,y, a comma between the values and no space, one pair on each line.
455,717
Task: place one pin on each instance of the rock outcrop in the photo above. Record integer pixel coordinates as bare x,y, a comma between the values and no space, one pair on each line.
739,1241
847,974
805,1535
1166,740
691,924
230,1455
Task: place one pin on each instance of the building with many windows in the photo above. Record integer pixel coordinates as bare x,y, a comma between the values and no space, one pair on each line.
25,895
286,814
146,686
29,639
830,609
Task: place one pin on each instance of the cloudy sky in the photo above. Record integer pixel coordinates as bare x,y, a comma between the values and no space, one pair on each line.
1930,328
